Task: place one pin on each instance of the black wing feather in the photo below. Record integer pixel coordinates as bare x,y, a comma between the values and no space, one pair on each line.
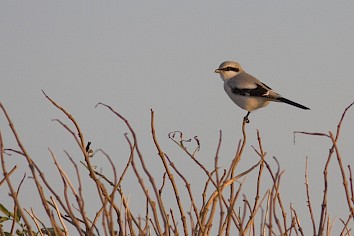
259,91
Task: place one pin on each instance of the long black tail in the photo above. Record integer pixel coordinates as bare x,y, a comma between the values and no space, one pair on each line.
281,99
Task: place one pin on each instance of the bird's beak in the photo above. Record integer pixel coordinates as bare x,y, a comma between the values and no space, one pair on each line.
217,71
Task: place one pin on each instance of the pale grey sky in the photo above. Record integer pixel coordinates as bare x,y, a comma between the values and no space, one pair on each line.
136,56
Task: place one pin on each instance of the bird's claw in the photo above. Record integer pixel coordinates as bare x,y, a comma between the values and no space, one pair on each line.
246,120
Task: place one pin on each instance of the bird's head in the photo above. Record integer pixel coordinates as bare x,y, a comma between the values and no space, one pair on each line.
229,69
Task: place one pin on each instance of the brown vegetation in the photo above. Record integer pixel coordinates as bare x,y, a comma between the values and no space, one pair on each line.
262,214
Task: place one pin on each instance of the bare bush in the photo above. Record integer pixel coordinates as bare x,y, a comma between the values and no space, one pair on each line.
224,208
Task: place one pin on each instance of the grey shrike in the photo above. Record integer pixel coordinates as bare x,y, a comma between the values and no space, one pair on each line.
246,91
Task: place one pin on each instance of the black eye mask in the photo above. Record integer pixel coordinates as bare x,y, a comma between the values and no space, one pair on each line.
229,68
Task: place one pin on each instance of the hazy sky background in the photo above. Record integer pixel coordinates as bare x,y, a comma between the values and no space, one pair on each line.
161,55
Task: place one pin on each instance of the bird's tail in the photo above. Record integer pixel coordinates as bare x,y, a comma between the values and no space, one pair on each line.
281,99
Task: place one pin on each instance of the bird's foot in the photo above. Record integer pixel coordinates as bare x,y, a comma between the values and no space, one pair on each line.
246,120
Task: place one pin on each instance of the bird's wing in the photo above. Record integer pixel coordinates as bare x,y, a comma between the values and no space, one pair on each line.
247,85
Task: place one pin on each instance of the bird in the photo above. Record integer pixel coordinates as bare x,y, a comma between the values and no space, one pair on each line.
247,91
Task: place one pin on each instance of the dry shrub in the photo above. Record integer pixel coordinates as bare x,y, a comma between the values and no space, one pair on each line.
218,212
